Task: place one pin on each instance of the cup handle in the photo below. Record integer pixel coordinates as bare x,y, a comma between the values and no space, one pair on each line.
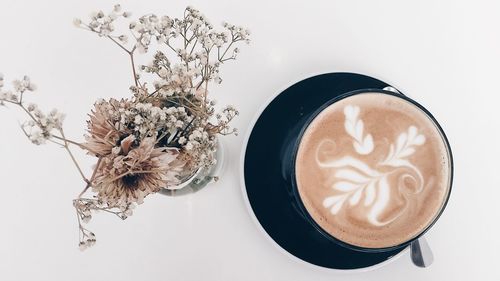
421,253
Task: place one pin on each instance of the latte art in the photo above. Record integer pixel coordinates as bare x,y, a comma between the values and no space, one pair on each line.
355,179
372,170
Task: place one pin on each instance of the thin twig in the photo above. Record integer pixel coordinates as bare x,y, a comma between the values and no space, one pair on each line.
55,142
227,49
120,45
133,69
66,146
89,184
131,54
69,141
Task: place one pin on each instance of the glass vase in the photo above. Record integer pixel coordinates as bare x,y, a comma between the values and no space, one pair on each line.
201,178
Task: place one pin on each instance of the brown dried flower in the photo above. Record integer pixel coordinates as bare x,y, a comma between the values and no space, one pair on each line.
104,132
131,174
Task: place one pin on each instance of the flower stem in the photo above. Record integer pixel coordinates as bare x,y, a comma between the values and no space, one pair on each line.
131,54
66,146
133,68
89,184
118,43
69,141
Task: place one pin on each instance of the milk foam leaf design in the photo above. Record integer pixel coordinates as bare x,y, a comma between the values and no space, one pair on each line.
354,200
383,196
355,180
354,127
370,194
345,186
334,203
405,146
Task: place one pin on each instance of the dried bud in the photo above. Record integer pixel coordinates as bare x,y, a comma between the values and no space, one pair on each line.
123,38
83,246
77,22
117,8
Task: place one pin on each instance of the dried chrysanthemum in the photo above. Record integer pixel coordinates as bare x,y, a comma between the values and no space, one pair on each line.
104,132
130,174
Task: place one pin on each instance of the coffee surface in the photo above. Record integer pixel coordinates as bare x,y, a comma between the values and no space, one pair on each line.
373,170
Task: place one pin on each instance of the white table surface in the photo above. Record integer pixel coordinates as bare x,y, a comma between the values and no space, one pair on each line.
444,54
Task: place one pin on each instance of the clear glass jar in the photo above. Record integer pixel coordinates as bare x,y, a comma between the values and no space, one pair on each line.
201,178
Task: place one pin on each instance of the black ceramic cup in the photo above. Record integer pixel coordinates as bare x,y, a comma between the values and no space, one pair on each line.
295,193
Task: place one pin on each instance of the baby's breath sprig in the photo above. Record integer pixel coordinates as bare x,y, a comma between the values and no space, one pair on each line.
41,128
104,25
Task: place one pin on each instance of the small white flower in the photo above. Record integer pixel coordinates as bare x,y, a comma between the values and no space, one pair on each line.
179,124
21,86
31,107
90,242
141,48
36,136
12,97
86,219
145,41
128,212
203,60
77,22
123,38
170,110
117,8
138,120
163,72
83,246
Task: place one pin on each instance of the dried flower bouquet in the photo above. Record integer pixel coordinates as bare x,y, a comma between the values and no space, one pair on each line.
164,132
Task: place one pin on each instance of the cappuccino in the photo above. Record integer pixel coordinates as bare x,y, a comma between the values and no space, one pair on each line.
373,170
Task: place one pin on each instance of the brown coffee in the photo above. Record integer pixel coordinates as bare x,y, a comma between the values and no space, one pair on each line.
373,170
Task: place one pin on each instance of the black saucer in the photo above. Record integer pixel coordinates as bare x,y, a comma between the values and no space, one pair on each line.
266,172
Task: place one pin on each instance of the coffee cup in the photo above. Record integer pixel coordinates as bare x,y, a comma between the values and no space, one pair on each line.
372,170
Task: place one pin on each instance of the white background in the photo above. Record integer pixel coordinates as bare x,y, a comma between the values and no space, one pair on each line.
444,54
